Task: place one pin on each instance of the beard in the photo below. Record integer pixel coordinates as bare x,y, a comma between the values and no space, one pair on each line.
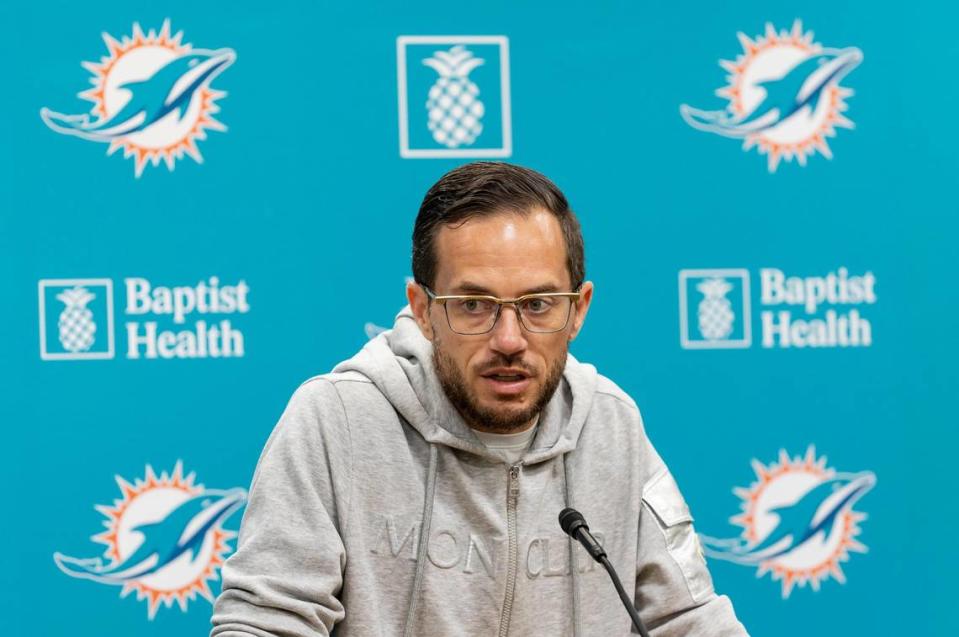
502,420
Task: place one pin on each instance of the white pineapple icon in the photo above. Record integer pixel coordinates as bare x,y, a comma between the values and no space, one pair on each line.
77,329
455,112
715,312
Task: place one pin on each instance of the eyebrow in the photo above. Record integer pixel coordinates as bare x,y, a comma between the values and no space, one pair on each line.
467,287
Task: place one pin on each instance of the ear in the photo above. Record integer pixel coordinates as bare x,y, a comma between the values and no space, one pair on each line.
420,304
581,307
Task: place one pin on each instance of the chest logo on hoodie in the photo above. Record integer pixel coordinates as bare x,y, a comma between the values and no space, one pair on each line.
151,97
783,96
798,521
164,539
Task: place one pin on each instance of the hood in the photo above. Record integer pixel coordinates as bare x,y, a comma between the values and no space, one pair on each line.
399,362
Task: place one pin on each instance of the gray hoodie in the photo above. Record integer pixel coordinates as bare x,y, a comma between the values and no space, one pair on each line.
375,510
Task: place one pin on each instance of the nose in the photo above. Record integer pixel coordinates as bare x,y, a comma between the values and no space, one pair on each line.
507,336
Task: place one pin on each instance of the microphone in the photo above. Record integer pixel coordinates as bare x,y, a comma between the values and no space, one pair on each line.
574,525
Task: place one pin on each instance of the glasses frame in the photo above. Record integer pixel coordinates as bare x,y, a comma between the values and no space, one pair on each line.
442,299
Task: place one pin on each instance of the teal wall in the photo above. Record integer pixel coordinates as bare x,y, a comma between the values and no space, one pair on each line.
305,202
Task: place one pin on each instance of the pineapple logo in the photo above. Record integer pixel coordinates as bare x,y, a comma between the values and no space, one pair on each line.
455,112
797,521
783,95
448,74
76,326
719,309
78,309
715,311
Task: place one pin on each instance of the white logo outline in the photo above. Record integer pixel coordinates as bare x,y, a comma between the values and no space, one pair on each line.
688,343
505,149
106,284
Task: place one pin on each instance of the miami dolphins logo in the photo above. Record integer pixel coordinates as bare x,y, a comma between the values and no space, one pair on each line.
164,539
783,94
151,97
798,521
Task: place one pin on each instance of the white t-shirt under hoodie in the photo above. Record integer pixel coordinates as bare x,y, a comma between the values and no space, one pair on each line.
513,444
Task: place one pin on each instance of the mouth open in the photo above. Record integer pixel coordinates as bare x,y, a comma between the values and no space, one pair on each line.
507,381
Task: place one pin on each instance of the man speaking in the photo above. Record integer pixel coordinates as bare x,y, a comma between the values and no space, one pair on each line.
415,489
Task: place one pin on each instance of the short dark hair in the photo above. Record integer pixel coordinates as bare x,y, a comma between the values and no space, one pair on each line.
485,188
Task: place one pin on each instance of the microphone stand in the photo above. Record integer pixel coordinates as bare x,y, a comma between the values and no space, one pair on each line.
574,525
627,602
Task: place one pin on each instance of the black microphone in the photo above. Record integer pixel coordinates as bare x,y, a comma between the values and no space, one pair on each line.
574,524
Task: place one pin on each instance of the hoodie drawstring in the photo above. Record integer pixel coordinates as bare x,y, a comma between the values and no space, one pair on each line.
421,555
577,629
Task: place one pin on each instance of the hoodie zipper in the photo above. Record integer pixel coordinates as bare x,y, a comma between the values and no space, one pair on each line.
512,495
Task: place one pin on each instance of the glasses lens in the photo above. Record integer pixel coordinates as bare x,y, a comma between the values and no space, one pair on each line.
471,315
546,313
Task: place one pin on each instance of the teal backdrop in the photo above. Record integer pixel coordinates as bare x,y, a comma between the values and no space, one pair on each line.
795,321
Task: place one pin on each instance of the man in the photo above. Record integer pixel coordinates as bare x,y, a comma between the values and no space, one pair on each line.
415,489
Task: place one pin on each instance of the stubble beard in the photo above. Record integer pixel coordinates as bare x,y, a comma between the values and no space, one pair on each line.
499,421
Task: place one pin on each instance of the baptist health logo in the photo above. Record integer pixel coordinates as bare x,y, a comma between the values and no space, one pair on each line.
164,539
454,96
712,321
782,95
797,521
715,311
152,98
77,319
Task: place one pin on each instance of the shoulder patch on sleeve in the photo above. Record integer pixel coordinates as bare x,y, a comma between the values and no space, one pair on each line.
661,494
662,497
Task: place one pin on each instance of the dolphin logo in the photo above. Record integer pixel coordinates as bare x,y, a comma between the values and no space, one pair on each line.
181,532
168,92
799,89
814,512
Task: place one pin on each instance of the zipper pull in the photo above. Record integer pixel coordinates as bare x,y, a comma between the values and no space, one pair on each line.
514,481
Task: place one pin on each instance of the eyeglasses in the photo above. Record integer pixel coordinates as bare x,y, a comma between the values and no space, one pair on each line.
473,314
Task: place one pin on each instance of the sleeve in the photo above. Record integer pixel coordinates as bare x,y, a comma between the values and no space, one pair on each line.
674,591
287,571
